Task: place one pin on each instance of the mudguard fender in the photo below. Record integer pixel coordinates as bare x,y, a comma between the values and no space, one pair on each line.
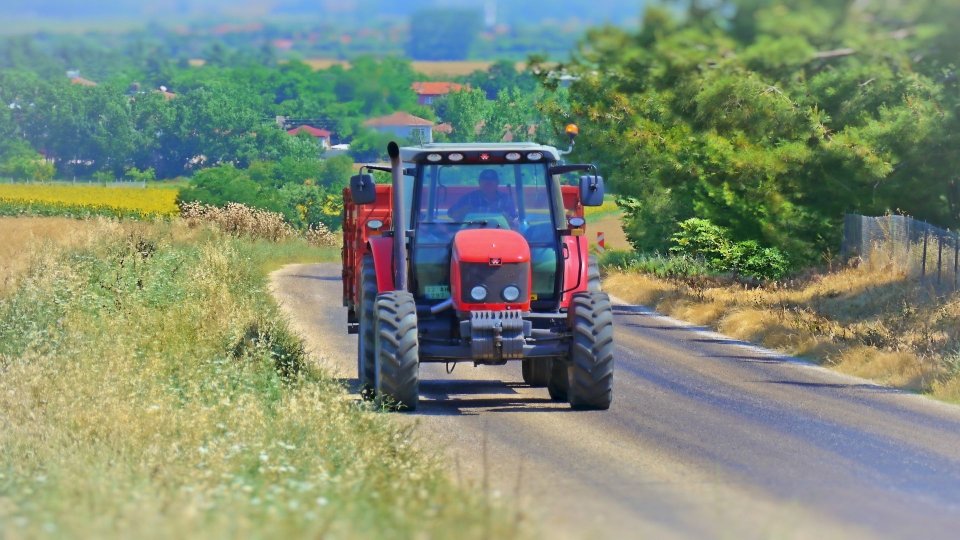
381,247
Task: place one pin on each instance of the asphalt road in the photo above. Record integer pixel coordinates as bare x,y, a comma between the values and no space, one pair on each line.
706,438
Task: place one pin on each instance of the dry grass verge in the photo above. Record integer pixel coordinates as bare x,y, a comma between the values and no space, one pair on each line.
241,220
149,388
869,321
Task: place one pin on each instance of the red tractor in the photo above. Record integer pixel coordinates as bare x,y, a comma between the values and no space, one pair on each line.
476,253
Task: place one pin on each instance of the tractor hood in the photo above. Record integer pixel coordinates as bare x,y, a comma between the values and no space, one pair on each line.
491,246
490,270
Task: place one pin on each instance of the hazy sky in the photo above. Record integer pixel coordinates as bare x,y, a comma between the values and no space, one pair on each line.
510,11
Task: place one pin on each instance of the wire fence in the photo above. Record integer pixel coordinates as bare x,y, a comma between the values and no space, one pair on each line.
915,248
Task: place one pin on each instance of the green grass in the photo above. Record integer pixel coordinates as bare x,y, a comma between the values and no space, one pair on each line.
661,266
149,388
608,208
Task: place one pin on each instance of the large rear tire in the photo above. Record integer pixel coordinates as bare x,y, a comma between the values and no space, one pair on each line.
397,351
365,342
536,373
591,352
557,383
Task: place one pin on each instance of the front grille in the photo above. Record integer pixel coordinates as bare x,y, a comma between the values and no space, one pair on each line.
494,278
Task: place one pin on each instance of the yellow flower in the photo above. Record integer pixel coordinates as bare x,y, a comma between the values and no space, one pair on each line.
146,201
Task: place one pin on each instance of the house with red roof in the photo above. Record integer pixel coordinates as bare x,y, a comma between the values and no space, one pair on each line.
427,91
403,125
75,78
322,135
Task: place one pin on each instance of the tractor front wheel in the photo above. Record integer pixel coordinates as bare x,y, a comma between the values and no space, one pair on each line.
591,353
397,351
536,373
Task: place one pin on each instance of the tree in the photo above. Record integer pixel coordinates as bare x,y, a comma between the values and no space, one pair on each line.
513,112
768,119
136,175
501,75
27,167
465,111
370,146
225,183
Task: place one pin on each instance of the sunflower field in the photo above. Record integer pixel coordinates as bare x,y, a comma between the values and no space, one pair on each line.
84,201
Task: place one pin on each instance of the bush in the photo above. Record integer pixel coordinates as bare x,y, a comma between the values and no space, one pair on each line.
702,240
306,192
28,167
699,238
103,177
238,220
136,175
751,260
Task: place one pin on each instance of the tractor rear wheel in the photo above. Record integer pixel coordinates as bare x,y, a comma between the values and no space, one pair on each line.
397,351
536,373
365,345
557,382
591,353
593,275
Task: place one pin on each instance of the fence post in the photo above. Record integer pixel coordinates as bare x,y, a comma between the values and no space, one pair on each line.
923,258
939,257
956,258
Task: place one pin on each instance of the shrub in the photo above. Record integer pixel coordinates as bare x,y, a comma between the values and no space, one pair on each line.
751,260
320,235
28,167
103,177
136,175
238,220
702,239
306,191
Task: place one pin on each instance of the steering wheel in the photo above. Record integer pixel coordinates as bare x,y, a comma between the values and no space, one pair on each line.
493,221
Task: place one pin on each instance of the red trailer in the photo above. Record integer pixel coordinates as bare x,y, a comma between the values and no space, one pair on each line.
476,253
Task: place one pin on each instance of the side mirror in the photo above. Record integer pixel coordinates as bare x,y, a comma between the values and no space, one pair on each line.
591,190
363,189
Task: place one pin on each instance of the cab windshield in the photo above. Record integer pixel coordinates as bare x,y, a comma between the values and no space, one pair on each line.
502,196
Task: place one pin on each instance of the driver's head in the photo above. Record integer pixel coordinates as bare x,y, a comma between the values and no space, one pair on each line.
489,180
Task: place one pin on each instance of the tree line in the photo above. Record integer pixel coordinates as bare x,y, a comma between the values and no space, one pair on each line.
217,124
771,119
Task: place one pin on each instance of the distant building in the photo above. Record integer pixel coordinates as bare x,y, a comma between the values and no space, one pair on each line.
403,125
75,78
429,91
166,93
337,150
322,135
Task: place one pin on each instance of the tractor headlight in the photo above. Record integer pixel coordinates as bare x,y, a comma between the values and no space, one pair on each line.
478,293
511,293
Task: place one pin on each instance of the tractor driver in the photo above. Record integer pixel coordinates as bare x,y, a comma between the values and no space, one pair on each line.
486,200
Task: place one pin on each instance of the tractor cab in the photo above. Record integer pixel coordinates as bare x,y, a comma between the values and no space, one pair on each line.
495,188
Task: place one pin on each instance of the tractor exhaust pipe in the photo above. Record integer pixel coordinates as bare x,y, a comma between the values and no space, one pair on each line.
399,220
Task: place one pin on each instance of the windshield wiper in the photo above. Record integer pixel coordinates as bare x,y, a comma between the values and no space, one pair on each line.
482,222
